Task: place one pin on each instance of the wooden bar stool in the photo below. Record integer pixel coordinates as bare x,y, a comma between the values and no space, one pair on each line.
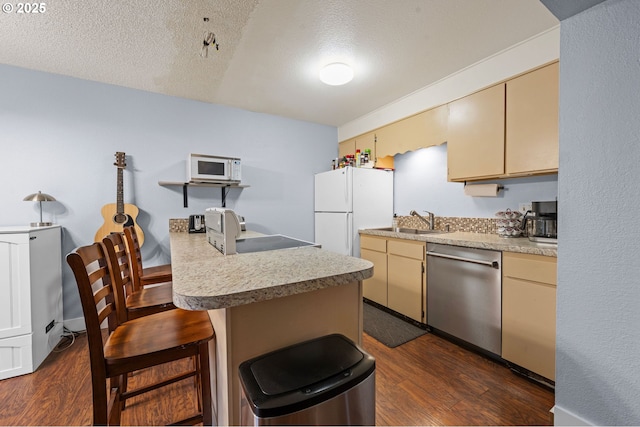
135,344
143,276
143,301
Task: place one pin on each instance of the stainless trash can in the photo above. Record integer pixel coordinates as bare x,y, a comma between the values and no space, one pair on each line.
324,381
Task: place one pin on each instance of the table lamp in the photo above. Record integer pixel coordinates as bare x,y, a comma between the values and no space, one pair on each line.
40,197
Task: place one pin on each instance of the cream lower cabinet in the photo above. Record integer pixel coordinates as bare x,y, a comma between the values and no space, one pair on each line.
374,249
398,280
405,278
529,312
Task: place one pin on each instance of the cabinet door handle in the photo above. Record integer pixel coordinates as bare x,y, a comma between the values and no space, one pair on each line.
493,264
33,237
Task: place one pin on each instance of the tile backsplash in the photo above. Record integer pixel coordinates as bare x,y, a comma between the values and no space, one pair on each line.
178,225
472,225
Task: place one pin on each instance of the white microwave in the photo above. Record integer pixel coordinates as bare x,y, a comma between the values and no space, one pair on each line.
204,168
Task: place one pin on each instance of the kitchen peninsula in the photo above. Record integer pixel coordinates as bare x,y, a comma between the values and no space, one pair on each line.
263,301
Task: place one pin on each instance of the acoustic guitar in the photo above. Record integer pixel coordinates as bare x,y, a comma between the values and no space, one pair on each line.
119,215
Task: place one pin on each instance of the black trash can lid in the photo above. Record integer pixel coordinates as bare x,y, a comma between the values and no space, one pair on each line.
303,375
304,364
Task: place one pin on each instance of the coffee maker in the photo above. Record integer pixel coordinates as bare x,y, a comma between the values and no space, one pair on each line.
541,222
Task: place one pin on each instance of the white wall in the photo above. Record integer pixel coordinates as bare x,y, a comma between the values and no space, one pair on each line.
598,316
59,135
420,183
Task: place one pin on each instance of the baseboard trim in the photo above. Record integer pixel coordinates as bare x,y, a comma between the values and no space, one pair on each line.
562,417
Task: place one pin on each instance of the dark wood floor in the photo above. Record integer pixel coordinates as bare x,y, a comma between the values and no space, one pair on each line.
431,381
428,381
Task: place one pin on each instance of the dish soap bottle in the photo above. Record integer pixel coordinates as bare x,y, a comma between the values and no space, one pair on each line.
394,223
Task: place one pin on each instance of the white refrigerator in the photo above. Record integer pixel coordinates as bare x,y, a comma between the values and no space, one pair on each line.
350,199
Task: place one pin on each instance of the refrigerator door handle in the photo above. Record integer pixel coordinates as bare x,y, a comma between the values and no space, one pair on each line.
346,189
349,233
347,237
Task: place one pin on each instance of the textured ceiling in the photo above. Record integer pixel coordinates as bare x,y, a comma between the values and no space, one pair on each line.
270,51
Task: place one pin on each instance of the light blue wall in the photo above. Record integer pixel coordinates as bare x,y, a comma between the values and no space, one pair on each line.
59,135
598,316
421,184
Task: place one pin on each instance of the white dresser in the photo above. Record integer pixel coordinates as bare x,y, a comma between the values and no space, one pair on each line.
30,297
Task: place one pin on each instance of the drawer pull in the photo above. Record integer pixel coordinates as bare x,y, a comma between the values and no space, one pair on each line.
493,264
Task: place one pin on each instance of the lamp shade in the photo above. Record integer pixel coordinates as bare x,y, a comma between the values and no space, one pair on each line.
39,197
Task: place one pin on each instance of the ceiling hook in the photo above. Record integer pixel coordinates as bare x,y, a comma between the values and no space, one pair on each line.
208,39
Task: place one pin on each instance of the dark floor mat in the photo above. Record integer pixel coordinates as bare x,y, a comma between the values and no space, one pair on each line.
387,328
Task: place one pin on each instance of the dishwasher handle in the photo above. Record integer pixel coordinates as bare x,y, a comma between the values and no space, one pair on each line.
493,264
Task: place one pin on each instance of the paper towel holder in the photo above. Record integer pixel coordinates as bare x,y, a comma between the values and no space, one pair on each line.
482,190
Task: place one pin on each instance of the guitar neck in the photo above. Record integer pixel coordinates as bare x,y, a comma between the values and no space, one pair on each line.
120,194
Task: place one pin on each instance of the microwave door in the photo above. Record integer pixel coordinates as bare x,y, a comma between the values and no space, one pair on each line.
211,168
206,169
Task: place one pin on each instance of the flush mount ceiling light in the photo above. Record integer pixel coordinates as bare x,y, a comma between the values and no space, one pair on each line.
336,74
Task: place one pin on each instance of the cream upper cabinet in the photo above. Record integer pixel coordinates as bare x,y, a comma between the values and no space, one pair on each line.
475,147
367,141
529,312
346,147
506,130
420,131
436,122
374,249
363,142
532,122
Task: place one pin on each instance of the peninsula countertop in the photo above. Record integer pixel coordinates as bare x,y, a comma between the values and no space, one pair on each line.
473,240
204,279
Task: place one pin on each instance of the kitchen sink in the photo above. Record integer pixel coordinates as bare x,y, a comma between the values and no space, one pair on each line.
410,230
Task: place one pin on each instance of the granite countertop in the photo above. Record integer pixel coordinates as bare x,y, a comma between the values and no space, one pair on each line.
204,279
474,240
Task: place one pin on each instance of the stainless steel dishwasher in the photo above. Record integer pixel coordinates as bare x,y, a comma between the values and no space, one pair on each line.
464,296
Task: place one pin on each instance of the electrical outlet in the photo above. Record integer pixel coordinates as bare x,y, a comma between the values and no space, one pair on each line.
49,326
524,207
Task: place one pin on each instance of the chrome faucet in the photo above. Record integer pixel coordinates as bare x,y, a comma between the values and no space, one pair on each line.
430,222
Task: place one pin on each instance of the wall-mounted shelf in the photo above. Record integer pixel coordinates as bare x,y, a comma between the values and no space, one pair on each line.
224,187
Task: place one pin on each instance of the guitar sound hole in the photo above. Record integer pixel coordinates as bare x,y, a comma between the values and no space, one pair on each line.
123,219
